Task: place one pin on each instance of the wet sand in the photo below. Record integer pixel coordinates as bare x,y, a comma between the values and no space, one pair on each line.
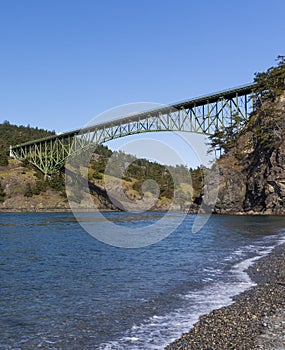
256,320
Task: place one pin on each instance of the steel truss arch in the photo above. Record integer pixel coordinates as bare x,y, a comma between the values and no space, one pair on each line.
203,115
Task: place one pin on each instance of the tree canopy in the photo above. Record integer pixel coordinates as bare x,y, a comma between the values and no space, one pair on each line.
13,135
269,85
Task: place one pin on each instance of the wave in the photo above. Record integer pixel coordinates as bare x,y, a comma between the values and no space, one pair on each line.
159,330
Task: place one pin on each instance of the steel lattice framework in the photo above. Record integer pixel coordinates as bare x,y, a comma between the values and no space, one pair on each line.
203,115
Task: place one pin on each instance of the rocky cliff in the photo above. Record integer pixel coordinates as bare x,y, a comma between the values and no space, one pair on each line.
251,170
252,173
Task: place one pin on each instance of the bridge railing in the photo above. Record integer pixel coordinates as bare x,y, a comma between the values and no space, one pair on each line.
204,114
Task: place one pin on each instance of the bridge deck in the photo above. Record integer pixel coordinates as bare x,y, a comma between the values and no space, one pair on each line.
196,102
203,115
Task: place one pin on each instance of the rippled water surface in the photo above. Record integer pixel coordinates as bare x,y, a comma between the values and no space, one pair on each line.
62,289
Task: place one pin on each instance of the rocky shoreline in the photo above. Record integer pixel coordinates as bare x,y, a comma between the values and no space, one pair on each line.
255,321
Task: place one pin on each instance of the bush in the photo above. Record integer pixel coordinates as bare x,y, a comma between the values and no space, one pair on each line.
57,182
2,193
127,178
28,191
97,176
3,159
40,186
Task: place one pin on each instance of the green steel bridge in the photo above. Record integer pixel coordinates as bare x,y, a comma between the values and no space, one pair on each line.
203,115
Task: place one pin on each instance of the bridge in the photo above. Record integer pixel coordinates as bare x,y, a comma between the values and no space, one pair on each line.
202,115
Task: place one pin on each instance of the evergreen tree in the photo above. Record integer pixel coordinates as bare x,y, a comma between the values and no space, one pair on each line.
226,138
3,159
28,190
57,182
2,193
13,135
271,83
3,153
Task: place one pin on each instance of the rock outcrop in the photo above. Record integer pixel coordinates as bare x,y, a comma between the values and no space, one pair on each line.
252,174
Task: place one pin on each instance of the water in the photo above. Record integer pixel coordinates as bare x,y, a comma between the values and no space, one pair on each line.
62,289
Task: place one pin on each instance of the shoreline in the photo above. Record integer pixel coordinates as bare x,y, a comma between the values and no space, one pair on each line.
255,320
88,210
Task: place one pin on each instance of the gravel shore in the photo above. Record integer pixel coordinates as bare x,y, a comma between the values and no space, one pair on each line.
255,321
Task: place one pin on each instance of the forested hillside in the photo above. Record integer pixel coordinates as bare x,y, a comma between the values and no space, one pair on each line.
24,187
13,135
252,167
177,184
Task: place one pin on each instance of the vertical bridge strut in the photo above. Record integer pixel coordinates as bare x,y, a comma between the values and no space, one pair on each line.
203,115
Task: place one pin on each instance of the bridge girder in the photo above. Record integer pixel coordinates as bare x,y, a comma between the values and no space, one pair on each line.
204,115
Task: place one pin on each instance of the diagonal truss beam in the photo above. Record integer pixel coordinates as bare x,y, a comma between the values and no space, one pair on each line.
203,115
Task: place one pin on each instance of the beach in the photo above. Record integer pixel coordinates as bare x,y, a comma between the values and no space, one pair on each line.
256,319
66,290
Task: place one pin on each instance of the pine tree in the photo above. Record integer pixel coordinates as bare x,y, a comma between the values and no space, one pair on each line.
271,83
28,191
3,159
2,193
3,153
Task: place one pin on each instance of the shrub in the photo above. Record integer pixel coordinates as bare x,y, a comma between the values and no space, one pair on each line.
28,191
2,193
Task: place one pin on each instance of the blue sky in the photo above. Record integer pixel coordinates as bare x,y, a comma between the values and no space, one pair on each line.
63,62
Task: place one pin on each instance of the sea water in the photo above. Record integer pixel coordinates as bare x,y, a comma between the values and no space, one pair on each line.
60,288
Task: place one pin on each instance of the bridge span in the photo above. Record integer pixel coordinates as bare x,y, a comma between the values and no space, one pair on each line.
202,115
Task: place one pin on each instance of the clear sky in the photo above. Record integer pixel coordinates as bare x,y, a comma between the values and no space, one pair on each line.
63,62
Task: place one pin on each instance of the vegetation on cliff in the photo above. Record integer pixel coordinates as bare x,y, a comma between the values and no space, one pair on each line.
2,193
265,121
23,186
138,171
271,84
252,168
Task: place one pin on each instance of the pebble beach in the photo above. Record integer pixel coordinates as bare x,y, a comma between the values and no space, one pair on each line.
256,319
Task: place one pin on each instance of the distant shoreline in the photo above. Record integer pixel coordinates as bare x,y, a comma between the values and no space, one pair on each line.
68,210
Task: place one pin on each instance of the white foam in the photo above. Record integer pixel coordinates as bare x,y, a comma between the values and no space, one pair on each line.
160,330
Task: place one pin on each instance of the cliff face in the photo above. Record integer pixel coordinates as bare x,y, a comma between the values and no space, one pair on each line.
252,174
